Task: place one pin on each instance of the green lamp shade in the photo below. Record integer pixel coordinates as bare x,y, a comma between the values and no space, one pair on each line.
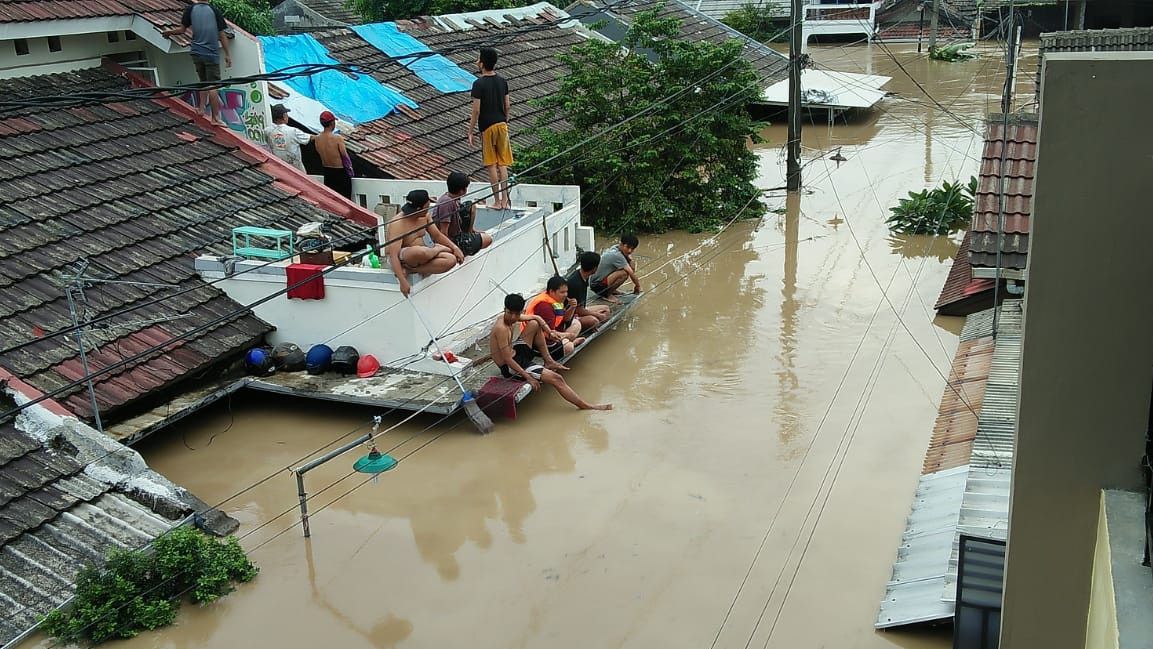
375,462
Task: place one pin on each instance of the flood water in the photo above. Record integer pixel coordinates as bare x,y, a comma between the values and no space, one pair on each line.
774,396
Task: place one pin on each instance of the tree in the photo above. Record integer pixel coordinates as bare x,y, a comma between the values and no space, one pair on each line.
378,10
759,22
253,16
671,149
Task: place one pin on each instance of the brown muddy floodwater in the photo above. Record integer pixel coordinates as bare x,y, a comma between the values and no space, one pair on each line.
749,490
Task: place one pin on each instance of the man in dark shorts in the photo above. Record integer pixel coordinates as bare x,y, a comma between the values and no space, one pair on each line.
336,167
616,266
448,218
208,40
515,358
578,289
490,115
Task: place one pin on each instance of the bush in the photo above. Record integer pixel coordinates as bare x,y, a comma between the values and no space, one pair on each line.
934,211
378,10
671,150
759,23
253,16
952,53
140,590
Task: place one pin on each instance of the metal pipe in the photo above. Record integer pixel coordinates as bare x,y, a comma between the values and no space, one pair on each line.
79,331
302,494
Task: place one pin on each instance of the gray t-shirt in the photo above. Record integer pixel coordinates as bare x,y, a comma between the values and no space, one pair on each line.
612,260
206,23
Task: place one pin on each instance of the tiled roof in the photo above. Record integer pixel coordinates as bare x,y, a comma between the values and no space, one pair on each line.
905,31
1019,144
1097,40
771,66
333,9
162,13
55,518
430,142
137,188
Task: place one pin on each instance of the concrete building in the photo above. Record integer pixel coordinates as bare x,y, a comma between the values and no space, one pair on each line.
1073,570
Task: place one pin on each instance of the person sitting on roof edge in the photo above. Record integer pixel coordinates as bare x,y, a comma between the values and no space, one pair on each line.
616,266
283,140
209,38
558,311
515,358
406,250
455,223
334,157
490,114
578,288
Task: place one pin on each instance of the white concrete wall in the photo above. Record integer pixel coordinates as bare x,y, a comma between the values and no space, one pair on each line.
77,52
364,307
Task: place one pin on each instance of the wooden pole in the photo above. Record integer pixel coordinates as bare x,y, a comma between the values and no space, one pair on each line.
920,28
793,177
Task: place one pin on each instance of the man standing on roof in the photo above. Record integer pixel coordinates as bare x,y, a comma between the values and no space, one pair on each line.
208,40
283,140
490,113
334,157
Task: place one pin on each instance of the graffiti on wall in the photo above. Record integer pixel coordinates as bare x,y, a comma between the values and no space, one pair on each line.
242,109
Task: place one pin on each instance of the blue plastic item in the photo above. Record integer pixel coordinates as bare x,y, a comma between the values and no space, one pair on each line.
318,360
354,100
436,70
242,244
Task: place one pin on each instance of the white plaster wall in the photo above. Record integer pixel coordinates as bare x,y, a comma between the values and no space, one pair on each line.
77,52
364,307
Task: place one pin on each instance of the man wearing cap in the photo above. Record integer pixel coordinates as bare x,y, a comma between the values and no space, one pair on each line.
208,40
283,140
334,157
406,250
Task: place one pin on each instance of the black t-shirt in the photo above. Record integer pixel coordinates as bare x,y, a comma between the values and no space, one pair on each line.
578,287
491,91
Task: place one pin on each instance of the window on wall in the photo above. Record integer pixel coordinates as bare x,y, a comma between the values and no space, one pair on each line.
113,37
129,36
21,45
54,44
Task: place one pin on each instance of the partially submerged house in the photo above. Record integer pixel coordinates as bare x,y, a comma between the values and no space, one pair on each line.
68,496
911,21
829,90
970,284
105,206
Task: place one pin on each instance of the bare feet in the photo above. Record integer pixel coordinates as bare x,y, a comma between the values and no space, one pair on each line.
219,122
603,406
578,341
612,299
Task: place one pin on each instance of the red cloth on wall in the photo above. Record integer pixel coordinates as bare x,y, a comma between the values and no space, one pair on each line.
309,290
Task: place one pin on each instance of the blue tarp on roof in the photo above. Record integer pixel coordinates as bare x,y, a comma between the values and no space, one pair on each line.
434,69
354,100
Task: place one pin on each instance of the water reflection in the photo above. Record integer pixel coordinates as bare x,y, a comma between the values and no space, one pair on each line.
921,246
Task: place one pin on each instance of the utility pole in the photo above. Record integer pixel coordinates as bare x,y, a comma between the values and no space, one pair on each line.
933,18
796,40
920,27
1002,183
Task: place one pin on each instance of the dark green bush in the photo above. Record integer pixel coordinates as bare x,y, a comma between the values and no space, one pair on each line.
934,211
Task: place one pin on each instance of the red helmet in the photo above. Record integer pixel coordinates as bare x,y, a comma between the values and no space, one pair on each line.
367,366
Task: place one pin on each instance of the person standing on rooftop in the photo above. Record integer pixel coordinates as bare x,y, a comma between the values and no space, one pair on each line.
283,140
208,40
490,114
334,157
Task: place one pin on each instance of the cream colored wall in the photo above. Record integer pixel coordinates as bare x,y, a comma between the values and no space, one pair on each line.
1101,627
77,52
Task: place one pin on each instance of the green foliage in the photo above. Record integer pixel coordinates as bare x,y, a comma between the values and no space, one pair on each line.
253,16
934,211
952,53
759,23
669,161
378,10
139,590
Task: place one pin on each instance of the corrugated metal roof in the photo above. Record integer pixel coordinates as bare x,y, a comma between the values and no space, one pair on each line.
972,499
956,426
962,293
1018,142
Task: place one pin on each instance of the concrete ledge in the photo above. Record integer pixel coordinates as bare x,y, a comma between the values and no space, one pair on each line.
1132,582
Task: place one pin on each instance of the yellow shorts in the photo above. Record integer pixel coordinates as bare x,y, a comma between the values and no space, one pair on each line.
495,145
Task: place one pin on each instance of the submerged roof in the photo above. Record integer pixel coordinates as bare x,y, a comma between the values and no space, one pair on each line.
137,188
1097,40
770,65
1018,144
962,293
68,496
429,142
964,488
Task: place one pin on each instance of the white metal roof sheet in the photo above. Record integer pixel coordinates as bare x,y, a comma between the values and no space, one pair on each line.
830,89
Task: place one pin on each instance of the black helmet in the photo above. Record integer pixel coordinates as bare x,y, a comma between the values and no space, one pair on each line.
344,360
281,352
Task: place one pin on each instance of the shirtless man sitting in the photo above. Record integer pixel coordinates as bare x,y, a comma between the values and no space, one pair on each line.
515,358
407,252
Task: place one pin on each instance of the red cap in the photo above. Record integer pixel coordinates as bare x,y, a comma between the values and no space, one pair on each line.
327,117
